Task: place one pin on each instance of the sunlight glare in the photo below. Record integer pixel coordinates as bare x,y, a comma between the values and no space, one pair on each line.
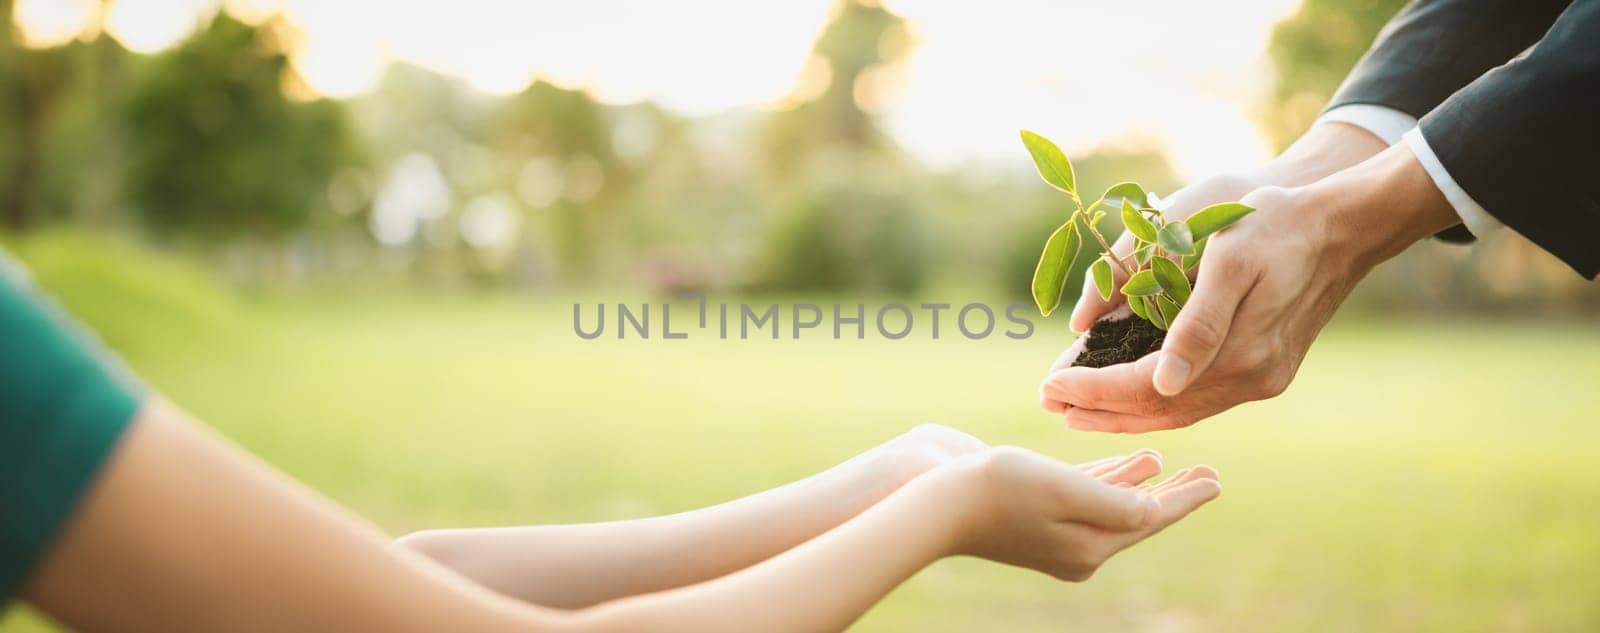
1185,74
148,26
45,23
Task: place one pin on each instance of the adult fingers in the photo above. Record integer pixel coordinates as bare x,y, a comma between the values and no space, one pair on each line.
1176,416
1123,388
1201,327
1079,419
1068,355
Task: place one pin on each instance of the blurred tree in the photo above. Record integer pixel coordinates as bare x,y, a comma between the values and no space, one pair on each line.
33,84
556,121
862,40
415,109
215,147
564,146
426,136
1311,53
849,238
690,209
83,159
844,191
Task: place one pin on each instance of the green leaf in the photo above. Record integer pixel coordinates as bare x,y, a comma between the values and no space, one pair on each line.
1154,312
1172,280
1142,253
1176,238
1168,309
1053,165
1129,192
1141,284
1216,217
1060,251
1137,305
1190,261
1137,224
1101,271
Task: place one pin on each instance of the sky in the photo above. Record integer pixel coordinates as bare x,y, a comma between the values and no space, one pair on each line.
1180,74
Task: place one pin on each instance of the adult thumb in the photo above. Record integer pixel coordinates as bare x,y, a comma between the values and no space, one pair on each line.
1200,328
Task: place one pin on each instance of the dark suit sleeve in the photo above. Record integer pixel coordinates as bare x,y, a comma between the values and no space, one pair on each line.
1433,48
1524,139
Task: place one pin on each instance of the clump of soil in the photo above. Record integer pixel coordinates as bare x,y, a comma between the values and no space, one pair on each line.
1115,341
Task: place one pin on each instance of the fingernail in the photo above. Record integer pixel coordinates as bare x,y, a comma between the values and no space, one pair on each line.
1172,375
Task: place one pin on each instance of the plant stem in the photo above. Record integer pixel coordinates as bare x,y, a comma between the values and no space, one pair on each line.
1107,247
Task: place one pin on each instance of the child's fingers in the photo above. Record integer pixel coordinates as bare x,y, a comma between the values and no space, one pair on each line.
1179,500
1104,465
1134,470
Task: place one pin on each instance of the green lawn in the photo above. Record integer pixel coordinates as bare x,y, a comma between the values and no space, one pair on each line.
1415,477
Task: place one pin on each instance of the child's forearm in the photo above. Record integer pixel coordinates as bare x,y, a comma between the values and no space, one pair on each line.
821,585
184,533
580,565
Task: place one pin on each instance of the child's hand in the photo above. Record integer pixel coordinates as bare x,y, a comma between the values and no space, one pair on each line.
1017,507
905,457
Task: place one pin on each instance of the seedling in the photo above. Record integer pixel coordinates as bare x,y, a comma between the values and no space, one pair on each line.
1157,288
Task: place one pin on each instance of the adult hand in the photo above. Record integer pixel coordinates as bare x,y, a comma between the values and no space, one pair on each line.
1326,148
1266,287
1020,508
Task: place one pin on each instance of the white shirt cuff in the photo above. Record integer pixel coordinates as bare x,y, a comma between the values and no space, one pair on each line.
1478,220
1394,126
1383,122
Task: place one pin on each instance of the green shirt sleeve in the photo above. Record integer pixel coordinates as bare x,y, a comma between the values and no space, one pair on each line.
63,403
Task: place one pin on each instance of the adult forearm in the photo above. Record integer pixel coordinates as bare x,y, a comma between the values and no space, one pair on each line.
573,566
1374,210
1325,149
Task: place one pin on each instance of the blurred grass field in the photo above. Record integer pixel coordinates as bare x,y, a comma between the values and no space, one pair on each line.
1417,476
